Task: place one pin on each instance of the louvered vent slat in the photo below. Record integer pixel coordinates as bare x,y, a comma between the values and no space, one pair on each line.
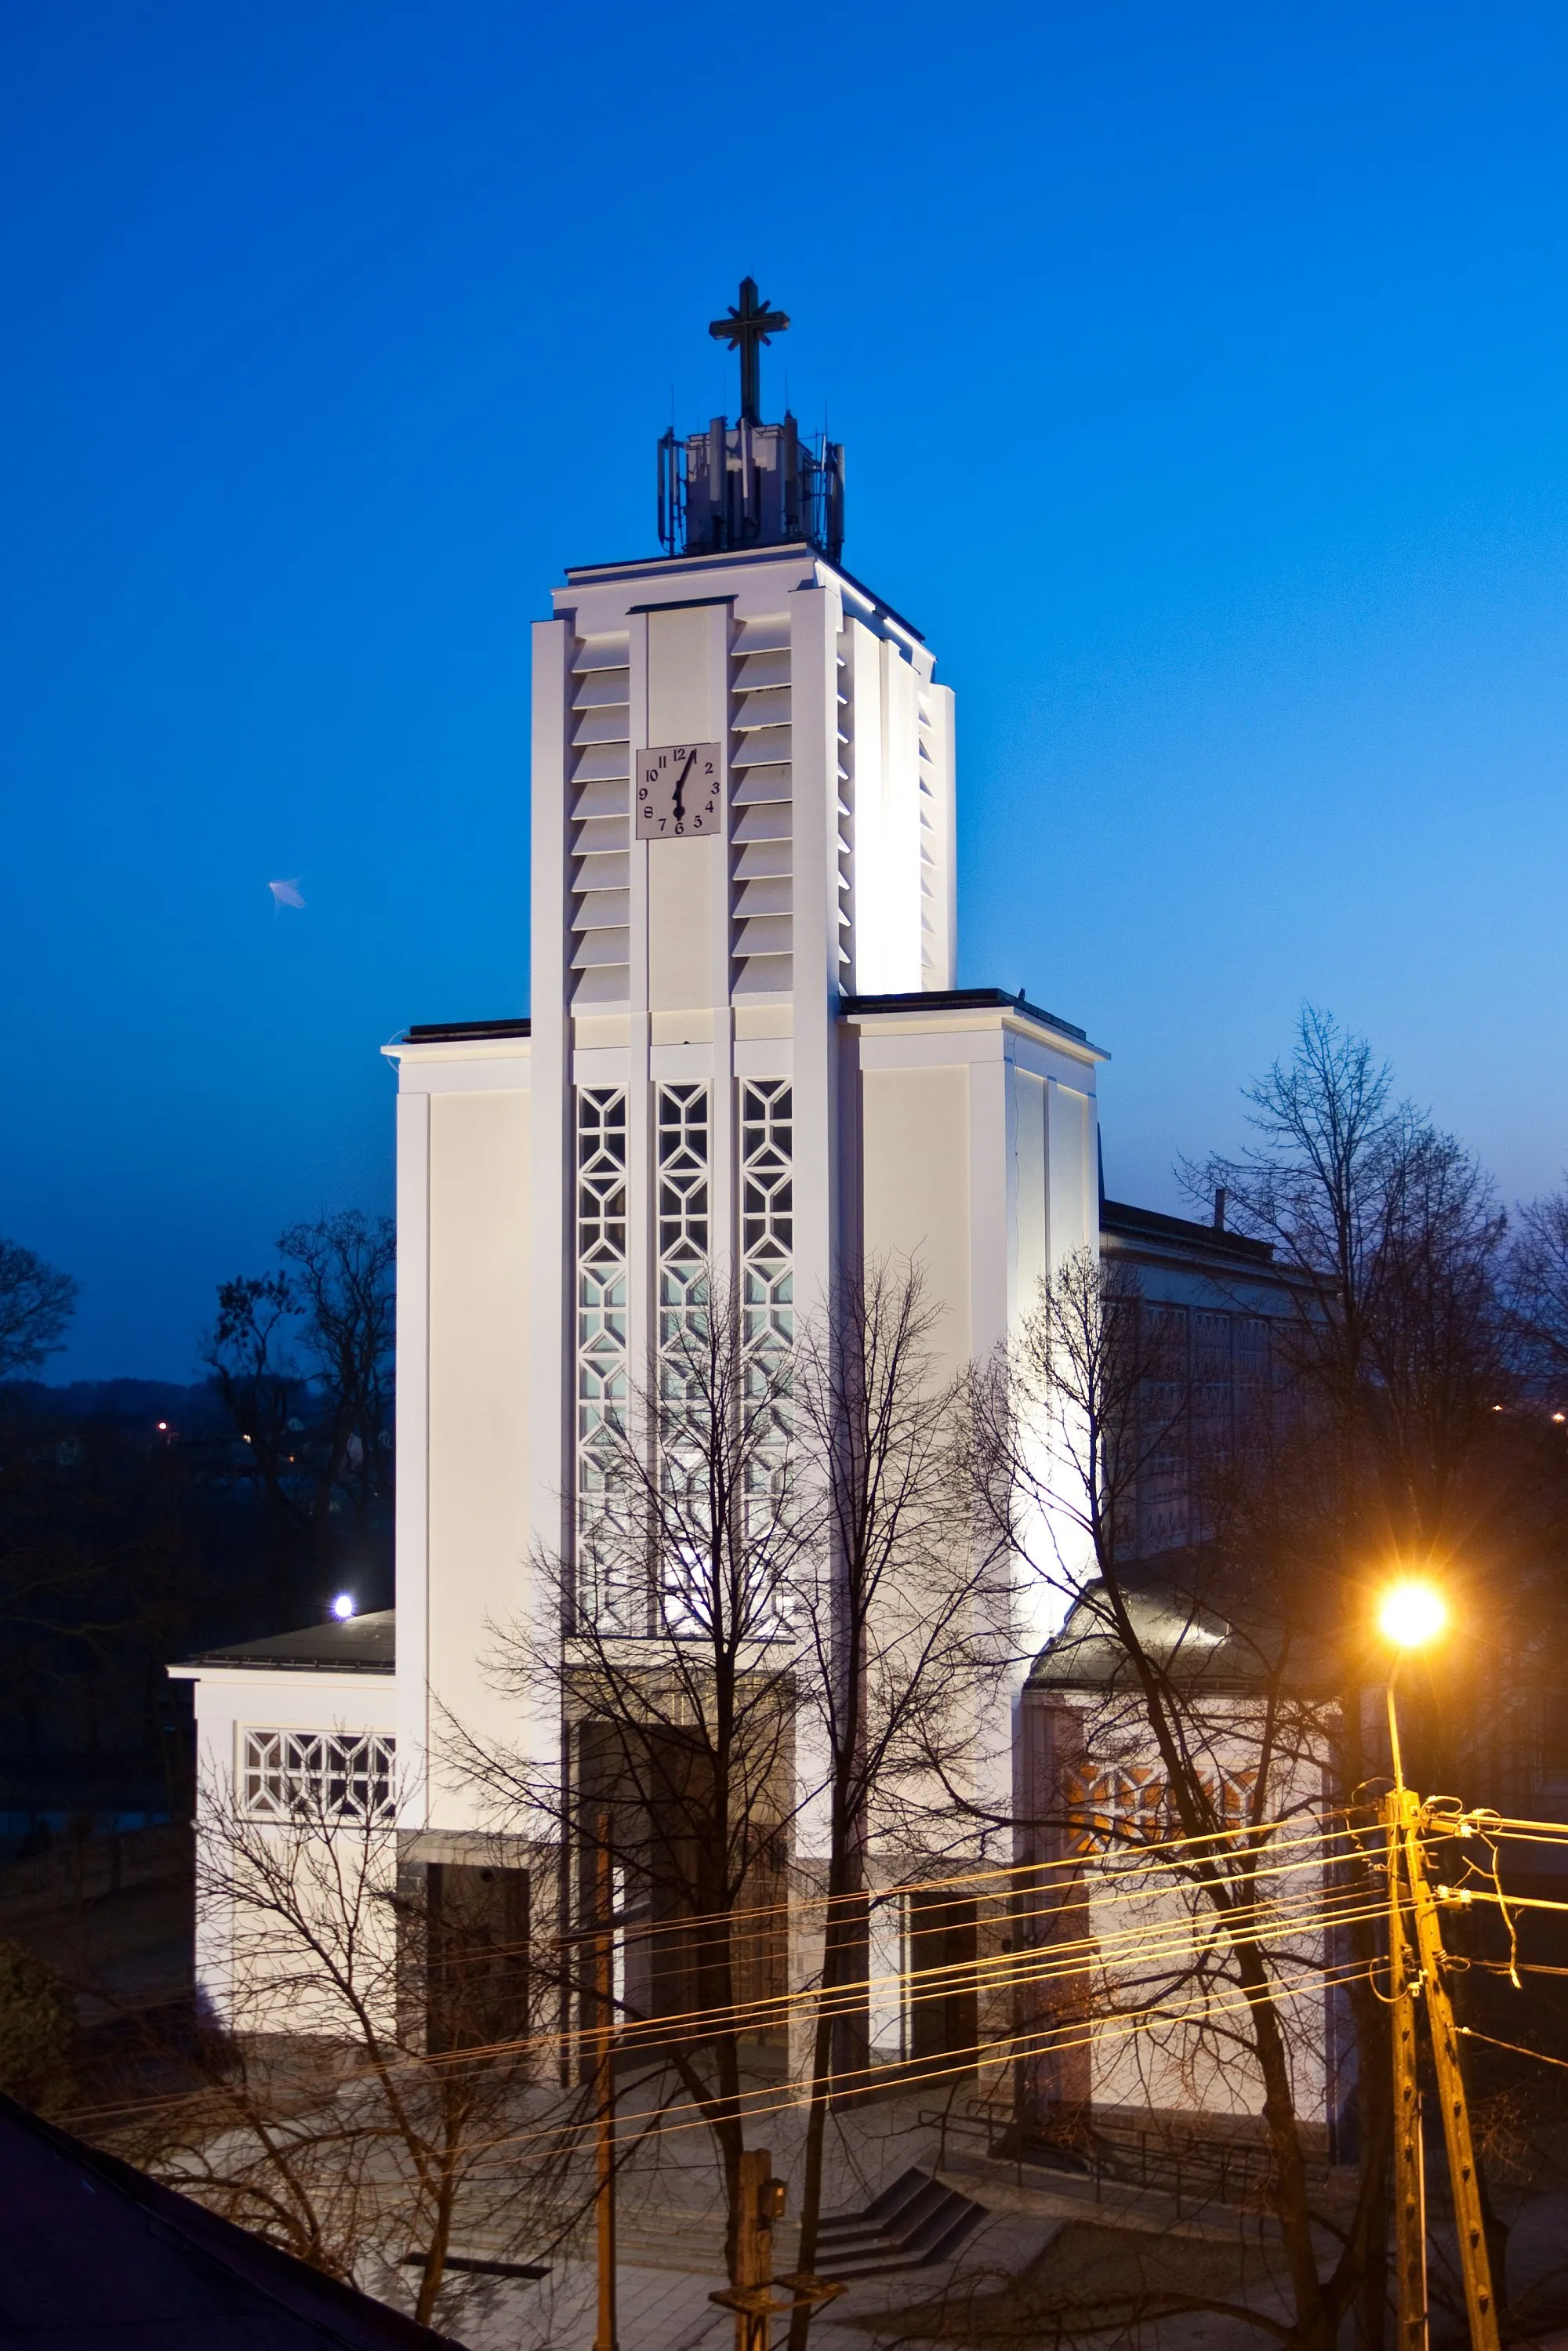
601,686
609,871
754,784
772,821
601,806
843,820
761,790
763,857
925,766
611,723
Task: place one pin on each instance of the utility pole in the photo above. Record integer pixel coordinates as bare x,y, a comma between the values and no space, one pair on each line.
1474,2261
751,2298
1409,2167
604,2082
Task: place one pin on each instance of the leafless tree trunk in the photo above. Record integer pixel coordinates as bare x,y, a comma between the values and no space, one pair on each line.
676,1680
898,1616
1089,1400
1390,1450
364,2091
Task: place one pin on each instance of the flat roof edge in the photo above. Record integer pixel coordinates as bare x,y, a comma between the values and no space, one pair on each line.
967,999
457,1033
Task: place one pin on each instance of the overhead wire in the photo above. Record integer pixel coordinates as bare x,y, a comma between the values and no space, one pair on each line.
1040,1964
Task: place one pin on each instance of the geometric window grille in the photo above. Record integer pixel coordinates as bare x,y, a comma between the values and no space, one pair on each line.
1125,1803
318,1775
682,1143
681,1179
600,1307
767,1151
767,1269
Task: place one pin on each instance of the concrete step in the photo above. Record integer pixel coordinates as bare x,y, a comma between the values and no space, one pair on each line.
915,2223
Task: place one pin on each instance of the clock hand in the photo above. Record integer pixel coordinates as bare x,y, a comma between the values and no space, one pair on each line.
680,800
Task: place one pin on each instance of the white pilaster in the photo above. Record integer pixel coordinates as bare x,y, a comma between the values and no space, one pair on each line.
553,1143
411,1518
816,618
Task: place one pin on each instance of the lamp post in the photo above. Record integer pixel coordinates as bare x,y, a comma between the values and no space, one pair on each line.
1409,1612
1413,1613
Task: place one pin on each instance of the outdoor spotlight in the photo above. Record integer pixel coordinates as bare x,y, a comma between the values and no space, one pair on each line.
343,1606
1412,1612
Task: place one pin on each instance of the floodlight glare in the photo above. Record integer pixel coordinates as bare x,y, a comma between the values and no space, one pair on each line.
1412,1614
343,1606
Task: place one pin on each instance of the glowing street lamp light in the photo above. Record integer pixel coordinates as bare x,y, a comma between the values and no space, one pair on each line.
343,1606
1412,1613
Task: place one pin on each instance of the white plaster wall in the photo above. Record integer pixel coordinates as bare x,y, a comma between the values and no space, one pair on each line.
228,1702
1183,2066
479,1417
1074,1176
1028,1255
915,1144
901,895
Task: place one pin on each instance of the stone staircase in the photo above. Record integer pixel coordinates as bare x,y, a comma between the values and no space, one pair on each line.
910,2225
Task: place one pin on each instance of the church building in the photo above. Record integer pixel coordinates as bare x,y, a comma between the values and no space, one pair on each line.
746,1041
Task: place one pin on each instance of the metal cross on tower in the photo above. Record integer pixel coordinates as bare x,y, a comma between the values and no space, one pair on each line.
749,325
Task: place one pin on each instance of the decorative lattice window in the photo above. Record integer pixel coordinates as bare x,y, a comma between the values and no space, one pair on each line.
683,1181
1128,1804
600,1368
682,1142
767,1269
318,1775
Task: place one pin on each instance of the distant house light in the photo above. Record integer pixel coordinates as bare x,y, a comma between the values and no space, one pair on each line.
163,1428
343,1606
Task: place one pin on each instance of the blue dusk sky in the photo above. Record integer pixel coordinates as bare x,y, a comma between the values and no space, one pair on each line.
1204,377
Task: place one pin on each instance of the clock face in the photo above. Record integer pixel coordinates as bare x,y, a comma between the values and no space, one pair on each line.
678,792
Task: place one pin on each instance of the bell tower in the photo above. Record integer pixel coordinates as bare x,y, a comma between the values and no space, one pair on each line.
744,1047
691,958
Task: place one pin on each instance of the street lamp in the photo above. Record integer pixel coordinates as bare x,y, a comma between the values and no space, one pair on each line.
1411,1613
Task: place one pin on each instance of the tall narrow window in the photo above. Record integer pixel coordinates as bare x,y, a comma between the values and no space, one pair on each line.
682,1148
601,1349
684,1305
767,1270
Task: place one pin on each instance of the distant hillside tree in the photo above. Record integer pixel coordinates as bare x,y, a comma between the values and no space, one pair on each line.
37,1301
303,1360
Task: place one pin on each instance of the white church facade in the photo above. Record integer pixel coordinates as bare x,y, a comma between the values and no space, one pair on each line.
746,1037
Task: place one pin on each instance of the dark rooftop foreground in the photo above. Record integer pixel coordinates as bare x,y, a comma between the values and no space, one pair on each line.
101,2254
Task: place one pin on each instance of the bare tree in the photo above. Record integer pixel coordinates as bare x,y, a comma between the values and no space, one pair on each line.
375,2089
36,1302
1537,1279
1391,1240
1091,1396
677,1679
899,1614
778,1620
1395,1442
303,1359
